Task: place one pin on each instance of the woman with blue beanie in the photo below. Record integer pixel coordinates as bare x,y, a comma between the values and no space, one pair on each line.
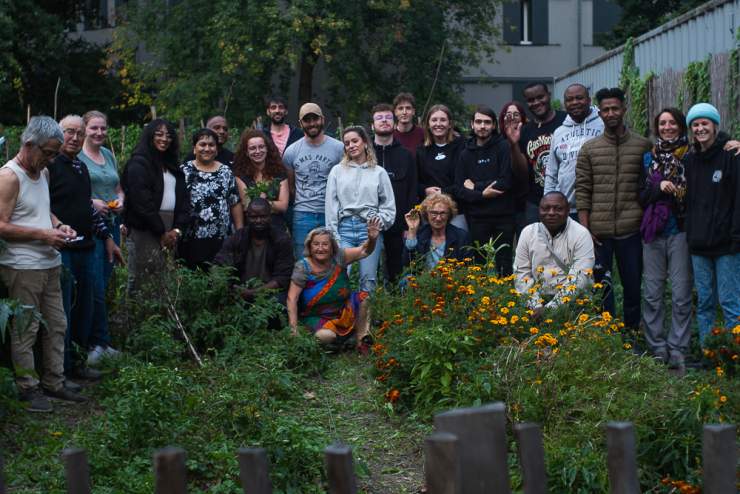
713,218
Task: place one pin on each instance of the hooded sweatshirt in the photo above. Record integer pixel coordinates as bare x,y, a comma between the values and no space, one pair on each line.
713,200
401,169
484,165
564,147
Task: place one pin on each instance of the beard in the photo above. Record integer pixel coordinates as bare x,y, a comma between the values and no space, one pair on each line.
313,130
383,133
277,118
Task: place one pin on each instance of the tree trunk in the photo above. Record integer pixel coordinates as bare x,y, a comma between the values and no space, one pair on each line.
305,82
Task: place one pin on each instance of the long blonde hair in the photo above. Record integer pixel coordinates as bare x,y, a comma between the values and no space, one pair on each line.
372,160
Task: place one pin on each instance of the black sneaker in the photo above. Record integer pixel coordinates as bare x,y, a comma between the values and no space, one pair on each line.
72,386
86,373
36,401
65,394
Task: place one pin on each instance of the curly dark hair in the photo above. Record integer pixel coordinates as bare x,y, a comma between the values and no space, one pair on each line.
244,167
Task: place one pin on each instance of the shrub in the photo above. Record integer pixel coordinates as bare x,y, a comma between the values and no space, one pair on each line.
459,336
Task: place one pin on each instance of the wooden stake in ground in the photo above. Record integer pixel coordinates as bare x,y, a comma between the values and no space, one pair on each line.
56,96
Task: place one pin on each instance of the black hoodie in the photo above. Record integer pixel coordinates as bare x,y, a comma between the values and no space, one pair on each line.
713,200
399,164
436,166
483,165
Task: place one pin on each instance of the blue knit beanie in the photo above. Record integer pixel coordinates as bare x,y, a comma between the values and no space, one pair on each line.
702,110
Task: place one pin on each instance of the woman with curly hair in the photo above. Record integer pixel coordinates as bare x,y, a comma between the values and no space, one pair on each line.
258,165
437,238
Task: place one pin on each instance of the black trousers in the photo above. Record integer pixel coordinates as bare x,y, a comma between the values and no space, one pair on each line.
501,230
393,244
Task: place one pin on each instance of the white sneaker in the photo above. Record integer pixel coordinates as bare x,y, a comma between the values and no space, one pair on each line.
111,352
95,355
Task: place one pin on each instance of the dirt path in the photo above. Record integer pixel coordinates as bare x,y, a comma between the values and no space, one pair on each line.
387,449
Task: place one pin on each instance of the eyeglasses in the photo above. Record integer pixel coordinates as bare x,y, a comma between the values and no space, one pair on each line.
381,116
438,214
512,115
73,132
48,153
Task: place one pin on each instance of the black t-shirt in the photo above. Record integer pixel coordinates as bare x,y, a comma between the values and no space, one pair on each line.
535,145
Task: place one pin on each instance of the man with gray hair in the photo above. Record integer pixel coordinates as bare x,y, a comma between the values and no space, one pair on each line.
30,266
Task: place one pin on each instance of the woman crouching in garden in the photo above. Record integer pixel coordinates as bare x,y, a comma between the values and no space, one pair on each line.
438,238
320,292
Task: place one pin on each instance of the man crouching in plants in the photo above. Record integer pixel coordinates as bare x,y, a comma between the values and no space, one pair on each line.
261,253
554,258
30,267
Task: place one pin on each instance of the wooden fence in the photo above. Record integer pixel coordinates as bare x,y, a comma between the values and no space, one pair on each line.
466,455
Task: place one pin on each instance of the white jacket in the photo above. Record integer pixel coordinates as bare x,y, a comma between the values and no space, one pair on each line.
359,190
567,140
536,263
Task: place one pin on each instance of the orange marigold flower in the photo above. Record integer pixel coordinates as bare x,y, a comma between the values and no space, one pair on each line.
393,395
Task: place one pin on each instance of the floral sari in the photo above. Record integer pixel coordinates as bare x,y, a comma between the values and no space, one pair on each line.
330,303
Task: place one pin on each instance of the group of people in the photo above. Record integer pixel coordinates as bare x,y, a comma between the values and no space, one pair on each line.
293,209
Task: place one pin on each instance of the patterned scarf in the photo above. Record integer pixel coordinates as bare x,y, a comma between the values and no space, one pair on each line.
667,165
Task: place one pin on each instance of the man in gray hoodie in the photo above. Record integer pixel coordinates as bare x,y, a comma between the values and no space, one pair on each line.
582,124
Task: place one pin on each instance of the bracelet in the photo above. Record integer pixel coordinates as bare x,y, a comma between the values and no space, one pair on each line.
59,225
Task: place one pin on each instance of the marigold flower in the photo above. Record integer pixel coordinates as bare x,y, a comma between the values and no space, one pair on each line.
606,316
627,346
566,299
514,319
583,318
533,330
723,399
540,269
393,395
598,286
720,371
504,310
485,300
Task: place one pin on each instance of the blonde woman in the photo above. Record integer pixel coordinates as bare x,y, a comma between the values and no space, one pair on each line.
357,191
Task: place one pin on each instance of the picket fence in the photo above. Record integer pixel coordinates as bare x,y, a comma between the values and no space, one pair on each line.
467,454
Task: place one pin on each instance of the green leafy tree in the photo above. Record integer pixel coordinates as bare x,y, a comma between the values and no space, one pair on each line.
36,53
197,56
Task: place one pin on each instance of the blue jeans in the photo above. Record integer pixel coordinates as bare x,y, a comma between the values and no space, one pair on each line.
628,252
716,279
100,335
353,233
303,223
77,297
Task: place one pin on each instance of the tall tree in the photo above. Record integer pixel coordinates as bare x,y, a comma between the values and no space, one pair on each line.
197,56
36,53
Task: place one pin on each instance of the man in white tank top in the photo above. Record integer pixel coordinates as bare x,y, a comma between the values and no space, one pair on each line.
30,264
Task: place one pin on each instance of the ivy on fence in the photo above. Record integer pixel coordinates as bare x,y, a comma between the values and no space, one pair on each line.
636,89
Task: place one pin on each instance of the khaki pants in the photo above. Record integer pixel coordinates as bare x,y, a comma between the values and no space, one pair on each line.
39,288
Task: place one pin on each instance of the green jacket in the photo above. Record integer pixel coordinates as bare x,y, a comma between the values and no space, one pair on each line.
608,183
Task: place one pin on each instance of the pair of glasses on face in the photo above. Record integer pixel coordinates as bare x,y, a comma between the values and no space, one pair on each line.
73,132
380,118
438,214
512,116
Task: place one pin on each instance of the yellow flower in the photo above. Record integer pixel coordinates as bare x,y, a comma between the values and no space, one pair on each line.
589,271
583,318
566,299
598,286
723,399
514,319
736,329
504,310
548,321
606,316
533,330
627,346
720,371
553,272
540,269
511,304
485,301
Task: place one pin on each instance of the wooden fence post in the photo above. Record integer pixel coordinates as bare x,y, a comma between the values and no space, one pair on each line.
481,435
340,470
77,471
170,475
441,464
531,458
621,458
254,471
719,459
2,474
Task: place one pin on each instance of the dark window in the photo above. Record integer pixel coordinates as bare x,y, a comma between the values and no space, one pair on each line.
606,15
526,22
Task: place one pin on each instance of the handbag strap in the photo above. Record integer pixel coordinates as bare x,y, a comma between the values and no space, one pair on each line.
545,240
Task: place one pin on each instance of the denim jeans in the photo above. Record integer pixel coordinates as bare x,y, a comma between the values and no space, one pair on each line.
628,252
77,284
303,223
102,269
353,233
716,279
